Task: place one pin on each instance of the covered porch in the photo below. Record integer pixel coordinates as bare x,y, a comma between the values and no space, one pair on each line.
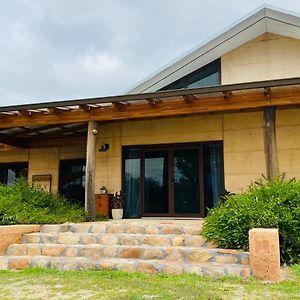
241,117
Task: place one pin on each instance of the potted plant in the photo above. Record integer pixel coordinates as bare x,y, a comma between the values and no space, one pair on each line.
117,205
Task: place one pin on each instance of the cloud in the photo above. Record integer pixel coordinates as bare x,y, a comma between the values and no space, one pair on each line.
70,49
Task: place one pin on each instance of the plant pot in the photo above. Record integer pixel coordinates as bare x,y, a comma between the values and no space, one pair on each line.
117,213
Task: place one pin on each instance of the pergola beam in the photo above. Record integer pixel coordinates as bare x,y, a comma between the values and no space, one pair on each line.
216,103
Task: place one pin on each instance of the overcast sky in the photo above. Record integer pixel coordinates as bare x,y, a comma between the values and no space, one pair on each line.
67,49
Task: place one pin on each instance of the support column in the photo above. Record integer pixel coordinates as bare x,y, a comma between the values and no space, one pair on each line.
270,144
90,169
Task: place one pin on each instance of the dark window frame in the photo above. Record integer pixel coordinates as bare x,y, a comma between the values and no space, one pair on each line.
171,147
66,161
6,166
201,73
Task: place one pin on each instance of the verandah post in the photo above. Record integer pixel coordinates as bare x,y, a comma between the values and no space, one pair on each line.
90,169
270,144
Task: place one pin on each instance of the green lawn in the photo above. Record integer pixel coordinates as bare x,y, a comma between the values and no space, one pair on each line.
52,284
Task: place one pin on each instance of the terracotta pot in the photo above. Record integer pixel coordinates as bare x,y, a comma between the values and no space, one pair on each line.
117,213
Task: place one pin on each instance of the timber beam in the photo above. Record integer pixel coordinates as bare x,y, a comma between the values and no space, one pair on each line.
167,108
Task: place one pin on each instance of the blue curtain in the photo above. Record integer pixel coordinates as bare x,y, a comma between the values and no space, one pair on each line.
213,177
216,175
132,187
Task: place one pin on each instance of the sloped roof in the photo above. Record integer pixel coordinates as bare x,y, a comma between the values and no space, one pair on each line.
264,20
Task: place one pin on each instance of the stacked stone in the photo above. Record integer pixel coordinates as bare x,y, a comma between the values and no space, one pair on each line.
146,247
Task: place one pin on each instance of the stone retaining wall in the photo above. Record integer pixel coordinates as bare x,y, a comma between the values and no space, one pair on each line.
12,234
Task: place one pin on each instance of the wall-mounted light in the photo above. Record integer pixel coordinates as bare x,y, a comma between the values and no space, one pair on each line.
104,147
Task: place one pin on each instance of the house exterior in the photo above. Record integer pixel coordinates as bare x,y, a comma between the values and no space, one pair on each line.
215,120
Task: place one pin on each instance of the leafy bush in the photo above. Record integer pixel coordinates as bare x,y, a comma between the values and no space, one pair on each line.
266,204
24,204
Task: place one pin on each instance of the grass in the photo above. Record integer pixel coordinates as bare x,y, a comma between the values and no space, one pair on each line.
53,284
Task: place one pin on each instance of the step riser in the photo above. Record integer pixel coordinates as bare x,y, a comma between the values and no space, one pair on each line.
117,239
111,228
148,247
20,263
186,255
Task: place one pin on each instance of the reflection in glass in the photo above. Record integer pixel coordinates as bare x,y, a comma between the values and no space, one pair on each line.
72,180
213,184
156,182
10,172
186,181
208,75
132,182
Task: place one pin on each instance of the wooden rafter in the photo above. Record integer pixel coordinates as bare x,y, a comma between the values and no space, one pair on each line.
62,131
170,107
154,102
85,107
227,94
120,105
267,92
28,131
54,110
24,112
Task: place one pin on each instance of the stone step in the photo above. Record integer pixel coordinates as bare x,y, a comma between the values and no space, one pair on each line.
133,228
128,265
118,239
168,253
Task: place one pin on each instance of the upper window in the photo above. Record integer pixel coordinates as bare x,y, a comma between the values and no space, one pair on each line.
208,75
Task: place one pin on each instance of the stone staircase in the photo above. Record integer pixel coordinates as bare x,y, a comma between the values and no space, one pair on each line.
128,245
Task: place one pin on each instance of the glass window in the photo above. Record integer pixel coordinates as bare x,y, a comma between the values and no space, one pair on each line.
10,172
72,180
208,75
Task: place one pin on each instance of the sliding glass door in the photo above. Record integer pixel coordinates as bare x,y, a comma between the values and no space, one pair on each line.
185,181
172,180
156,182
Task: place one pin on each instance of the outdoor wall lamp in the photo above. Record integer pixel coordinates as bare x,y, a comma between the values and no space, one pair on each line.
104,147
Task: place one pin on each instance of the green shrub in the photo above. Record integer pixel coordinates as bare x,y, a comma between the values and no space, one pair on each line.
269,204
24,204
